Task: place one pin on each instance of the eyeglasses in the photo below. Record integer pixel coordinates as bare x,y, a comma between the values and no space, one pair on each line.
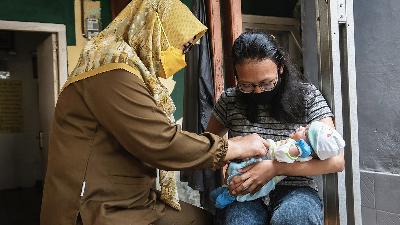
187,48
264,85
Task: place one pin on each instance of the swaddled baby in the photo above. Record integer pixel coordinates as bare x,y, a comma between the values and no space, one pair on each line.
317,140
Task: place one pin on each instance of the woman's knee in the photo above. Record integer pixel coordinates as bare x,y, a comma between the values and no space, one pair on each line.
300,207
295,216
249,213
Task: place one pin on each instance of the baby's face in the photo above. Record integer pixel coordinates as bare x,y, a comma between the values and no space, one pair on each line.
300,133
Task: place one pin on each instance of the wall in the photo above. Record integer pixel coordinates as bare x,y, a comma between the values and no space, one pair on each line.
66,12
74,51
309,41
20,156
105,12
378,86
45,11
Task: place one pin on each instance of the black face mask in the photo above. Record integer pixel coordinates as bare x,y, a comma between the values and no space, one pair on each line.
262,98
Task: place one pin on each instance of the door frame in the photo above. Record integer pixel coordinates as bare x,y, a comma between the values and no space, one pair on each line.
337,79
59,30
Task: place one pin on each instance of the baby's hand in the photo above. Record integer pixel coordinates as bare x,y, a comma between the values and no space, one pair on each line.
300,133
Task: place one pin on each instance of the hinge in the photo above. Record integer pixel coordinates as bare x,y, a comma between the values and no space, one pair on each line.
342,18
41,139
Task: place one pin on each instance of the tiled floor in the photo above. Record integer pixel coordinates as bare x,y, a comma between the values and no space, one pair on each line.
20,206
380,197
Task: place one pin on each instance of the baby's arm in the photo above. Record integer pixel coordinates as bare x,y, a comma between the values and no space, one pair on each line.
290,150
283,151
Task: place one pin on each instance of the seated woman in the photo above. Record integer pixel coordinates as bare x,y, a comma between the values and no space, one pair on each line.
316,140
272,99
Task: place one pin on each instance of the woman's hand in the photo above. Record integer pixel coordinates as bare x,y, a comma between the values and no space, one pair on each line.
253,177
246,147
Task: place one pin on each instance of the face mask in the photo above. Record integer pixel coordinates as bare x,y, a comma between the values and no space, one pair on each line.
172,59
253,99
262,98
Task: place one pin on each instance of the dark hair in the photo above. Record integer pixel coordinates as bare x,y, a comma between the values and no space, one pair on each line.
288,106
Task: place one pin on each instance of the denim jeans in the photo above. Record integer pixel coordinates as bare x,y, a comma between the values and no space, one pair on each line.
288,206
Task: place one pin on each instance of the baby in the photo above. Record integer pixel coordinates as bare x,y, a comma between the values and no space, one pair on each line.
317,140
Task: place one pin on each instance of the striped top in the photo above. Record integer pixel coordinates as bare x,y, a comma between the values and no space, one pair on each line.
230,111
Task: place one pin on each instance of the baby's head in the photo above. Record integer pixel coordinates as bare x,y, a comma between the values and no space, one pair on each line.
321,137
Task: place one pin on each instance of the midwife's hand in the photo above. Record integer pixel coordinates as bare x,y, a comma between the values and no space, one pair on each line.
253,177
246,147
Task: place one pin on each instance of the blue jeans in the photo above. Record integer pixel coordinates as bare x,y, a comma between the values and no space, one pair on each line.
288,206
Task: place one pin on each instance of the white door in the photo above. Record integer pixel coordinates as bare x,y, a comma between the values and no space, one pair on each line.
48,89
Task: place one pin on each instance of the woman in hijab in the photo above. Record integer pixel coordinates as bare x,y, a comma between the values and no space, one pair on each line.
113,126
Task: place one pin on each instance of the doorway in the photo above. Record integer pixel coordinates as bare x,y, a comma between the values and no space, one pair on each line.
29,85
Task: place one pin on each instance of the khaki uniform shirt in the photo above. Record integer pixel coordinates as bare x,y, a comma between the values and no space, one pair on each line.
108,138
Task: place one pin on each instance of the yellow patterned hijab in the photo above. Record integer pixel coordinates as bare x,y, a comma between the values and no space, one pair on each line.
133,42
